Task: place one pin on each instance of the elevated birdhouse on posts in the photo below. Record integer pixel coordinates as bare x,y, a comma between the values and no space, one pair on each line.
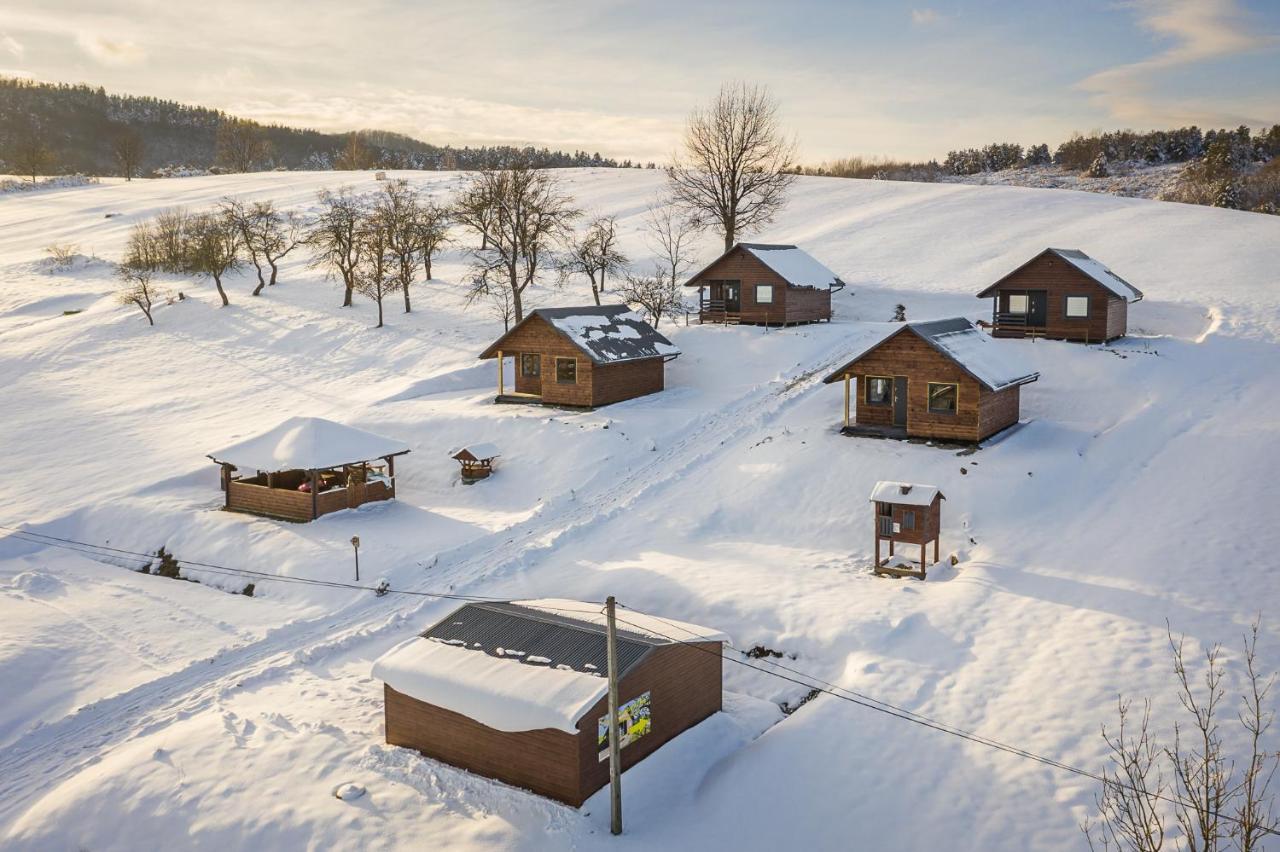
906,514
476,461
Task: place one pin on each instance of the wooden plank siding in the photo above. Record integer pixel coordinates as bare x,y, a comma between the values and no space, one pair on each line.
685,686
926,522
291,505
980,412
790,304
1108,313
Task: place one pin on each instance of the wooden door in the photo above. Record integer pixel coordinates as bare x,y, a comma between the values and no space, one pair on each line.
900,401
1037,308
732,297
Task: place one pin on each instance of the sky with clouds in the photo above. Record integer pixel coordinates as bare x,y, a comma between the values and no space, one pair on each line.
853,77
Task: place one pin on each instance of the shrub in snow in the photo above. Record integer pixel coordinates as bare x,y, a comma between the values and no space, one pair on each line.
168,566
899,313
62,254
247,591
1098,169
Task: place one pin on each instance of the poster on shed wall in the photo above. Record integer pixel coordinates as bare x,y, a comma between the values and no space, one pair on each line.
634,721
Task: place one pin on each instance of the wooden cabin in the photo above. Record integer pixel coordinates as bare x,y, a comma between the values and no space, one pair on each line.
476,460
906,514
581,357
517,691
307,467
765,284
942,379
1062,294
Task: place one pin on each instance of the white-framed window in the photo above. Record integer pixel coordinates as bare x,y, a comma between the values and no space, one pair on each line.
764,294
1077,307
1018,303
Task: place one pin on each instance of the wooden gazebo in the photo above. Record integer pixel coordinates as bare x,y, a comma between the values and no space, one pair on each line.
476,460
307,467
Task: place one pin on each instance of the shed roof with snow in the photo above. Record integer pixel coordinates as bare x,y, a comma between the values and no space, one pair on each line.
991,363
525,665
905,493
792,263
1095,270
308,443
475,452
607,334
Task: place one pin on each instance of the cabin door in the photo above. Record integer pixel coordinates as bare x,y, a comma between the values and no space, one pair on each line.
1037,308
732,297
900,401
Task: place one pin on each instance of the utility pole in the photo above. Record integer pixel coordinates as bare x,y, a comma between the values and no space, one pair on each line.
355,544
615,747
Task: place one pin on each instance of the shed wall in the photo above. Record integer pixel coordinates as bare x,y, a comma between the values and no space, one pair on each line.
1059,279
790,304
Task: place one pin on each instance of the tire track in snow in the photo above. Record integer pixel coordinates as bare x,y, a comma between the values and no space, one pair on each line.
46,757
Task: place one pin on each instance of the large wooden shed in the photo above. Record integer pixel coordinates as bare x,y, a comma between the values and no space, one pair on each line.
1062,294
582,357
942,379
765,284
307,467
517,691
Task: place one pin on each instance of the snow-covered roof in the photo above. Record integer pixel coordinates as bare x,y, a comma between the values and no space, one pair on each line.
607,334
308,443
477,452
794,264
906,493
524,665
991,363
1099,273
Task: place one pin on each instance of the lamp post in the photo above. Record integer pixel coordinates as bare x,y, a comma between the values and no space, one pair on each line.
355,544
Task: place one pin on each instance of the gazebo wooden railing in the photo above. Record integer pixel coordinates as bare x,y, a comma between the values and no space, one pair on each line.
279,494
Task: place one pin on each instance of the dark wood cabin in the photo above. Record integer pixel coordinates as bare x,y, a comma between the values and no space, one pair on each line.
307,467
942,379
906,514
517,691
582,357
1062,294
765,284
476,460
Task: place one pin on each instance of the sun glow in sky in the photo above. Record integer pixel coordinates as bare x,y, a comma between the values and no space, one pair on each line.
905,80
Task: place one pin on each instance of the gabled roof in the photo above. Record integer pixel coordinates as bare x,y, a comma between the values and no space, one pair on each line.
795,265
606,334
524,665
990,363
475,452
905,493
308,443
1095,270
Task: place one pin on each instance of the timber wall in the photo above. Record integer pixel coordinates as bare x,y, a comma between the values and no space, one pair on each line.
790,304
1060,279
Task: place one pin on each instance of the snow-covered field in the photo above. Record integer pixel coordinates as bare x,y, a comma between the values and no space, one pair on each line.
145,713
1129,179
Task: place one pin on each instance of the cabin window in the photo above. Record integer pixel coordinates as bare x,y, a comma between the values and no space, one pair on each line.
1018,303
943,397
879,390
908,520
1077,307
764,294
530,365
567,371
885,508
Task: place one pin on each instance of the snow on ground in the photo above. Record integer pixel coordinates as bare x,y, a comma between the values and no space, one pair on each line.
1128,179
154,713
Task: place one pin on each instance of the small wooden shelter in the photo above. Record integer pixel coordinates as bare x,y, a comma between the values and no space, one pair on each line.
941,379
476,460
582,357
1062,294
765,284
906,514
517,691
307,467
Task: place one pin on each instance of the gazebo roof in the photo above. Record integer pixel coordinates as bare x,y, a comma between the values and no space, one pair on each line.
308,443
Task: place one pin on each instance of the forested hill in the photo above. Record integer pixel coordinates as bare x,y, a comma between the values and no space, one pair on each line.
78,125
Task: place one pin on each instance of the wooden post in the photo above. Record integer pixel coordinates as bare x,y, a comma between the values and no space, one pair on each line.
615,747
877,550
847,392
501,379
923,545
391,473
935,550
891,547
315,494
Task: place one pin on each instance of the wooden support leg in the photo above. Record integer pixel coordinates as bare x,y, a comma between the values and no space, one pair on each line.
891,547
501,388
877,552
923,545
935,551
846,400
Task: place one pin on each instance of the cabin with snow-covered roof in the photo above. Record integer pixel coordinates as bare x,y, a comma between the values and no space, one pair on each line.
765,284
1062,294
581,357
941,379
517,691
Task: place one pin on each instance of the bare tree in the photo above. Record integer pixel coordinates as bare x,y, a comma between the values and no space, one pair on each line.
433,233
501,306
1200,769
522,217
30,154
243,218
658,295
376,271
137,289
334,236
240,144
1254,810
266,234
213,248
128,149
1130,806
595,254
672,233
399,211
737,164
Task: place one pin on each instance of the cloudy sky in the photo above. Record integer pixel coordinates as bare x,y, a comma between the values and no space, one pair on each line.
853,77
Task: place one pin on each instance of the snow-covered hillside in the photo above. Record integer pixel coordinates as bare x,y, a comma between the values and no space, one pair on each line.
144,713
